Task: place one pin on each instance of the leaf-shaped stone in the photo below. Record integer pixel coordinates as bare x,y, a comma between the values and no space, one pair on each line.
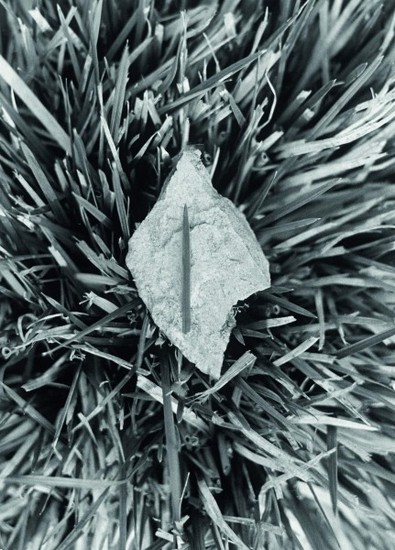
222,264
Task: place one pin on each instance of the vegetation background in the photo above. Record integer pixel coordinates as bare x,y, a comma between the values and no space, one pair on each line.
292,103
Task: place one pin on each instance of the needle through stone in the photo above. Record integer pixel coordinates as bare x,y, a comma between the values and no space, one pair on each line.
186,272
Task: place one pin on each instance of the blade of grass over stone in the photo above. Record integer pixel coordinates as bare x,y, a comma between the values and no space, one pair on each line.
186,273
172,446
19,87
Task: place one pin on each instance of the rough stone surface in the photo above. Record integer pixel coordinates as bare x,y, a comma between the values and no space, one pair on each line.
227,263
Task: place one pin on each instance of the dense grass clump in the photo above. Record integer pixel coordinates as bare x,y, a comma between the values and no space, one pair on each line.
108,437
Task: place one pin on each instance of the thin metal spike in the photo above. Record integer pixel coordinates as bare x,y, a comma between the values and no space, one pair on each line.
186,273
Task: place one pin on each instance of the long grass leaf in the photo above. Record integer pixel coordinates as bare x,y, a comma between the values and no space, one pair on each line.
21,89
331,443
119,95
365,343
214,512
172,447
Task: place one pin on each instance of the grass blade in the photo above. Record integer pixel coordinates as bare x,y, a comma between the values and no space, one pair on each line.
214,512
304,346
365,343
172,446
331,443
21,89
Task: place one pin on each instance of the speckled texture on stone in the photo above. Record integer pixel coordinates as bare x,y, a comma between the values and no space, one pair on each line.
227,263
